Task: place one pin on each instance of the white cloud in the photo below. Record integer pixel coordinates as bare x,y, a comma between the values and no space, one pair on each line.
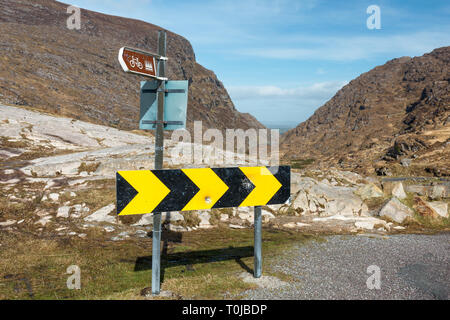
291,104
318,91
351,48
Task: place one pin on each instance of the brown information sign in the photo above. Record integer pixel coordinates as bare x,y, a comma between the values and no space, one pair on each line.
138,62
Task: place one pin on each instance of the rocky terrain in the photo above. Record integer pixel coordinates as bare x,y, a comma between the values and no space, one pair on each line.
75,73
373,161
57,178
392,120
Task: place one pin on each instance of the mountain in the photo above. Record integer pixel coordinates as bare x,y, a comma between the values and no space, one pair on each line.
75,73
394,119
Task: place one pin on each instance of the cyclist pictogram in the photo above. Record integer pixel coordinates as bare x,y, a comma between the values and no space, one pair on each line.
134,61
140,62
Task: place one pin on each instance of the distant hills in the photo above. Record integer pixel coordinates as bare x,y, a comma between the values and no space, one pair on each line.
394,119
75,73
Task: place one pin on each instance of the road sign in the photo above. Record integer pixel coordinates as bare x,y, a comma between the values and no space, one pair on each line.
146,191
139,62
175,104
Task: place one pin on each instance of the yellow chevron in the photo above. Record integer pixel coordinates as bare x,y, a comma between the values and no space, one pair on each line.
266,185
151,191
211,188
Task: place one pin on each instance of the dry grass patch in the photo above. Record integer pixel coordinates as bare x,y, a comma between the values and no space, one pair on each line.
8,142
204,264
88,167
376,203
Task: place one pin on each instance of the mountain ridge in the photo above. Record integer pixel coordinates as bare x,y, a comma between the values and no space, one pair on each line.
75,73
397,112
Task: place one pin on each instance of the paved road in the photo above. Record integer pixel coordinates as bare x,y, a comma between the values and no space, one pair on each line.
411,267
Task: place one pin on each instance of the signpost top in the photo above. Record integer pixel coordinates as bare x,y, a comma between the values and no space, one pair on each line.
140,62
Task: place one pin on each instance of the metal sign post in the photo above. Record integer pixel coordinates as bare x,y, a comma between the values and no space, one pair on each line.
156,191
258,242
159,153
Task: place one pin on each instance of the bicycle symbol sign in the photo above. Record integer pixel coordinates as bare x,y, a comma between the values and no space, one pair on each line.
138,62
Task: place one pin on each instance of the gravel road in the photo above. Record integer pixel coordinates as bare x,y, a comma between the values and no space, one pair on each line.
411,267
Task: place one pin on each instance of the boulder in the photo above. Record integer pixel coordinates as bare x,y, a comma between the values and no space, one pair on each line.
301,202
147,219
266,215
141,233
78,210
63,212
440,207
438,192
102,215
364,225
350,177
406,162
246,214
398,191
172,216
109,229
388,186
7,223
368,191
44,220
204,220
416,188
53,196
236,226
396,211
290,225
346,207
316,197
175,228
121,236
435,209
362,221
299,224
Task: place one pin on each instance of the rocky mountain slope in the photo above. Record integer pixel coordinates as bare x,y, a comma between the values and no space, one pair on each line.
394,119
75,73
57,177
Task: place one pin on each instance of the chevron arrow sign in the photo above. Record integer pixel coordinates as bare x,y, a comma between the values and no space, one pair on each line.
146,191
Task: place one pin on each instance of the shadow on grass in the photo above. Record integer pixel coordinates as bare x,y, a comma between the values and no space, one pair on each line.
190,258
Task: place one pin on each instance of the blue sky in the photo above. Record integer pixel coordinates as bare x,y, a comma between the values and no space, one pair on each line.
282,59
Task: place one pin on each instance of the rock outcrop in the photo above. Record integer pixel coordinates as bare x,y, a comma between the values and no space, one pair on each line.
396,211
394,118
322,198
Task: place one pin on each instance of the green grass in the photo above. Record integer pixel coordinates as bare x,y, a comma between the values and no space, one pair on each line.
421,222
301,163
200,265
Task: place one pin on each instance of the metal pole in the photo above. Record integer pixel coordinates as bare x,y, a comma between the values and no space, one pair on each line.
156,253
159,156
258,241
159,139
